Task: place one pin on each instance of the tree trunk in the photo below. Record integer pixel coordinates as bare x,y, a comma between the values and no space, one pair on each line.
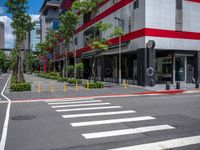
64,67
20,76
94,67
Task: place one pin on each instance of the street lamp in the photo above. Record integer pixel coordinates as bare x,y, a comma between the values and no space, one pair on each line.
120,49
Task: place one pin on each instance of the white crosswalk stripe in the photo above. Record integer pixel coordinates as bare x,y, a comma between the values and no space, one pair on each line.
111,121
69,100
162,145
80,105
77,102
88,108
98,114
126,131
95,107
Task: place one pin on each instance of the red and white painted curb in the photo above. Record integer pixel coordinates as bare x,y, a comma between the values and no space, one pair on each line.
149,93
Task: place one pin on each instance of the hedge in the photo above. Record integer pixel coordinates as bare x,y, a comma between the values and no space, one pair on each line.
58,78
73,81
17,87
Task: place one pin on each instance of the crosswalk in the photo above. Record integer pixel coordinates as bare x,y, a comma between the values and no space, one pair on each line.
92,113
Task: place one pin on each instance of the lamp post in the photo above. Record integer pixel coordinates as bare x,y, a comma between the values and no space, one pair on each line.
120,49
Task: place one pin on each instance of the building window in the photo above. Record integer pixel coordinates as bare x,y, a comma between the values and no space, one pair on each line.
179,15
87,17
37,32
136,4
115,1
164,68
179,4
76,41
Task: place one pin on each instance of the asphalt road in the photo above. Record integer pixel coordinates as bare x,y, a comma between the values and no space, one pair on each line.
167,122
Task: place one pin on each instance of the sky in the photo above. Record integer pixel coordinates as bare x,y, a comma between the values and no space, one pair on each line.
34,6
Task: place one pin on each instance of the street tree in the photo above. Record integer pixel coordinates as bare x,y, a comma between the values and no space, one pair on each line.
21,24
92,7
98,45
52,40
67,28
2,60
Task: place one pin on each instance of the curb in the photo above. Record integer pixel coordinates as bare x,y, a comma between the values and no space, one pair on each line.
150,93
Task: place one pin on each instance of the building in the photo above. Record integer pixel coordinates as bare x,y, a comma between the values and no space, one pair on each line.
2,35
49,13
161,41
34,36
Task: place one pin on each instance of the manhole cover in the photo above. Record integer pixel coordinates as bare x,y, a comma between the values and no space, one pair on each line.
23,117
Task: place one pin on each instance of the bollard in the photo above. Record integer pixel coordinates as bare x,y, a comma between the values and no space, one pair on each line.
52,87
39,87
87,85
125,86
197,84
178,85
76,86
167,86
65,87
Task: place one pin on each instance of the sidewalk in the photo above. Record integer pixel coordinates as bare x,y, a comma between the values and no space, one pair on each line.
109,89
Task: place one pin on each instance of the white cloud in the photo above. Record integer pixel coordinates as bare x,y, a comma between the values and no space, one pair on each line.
9,37
35,17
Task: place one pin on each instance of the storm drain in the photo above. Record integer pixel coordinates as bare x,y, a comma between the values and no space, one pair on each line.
23,117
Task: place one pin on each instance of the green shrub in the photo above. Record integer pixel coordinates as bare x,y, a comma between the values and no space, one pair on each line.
16,87
70,70
79,70
14,80
93,85
73,81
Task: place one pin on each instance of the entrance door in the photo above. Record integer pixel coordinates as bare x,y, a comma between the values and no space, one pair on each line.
180,68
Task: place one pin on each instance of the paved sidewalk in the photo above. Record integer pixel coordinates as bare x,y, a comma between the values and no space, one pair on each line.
110,89
161,87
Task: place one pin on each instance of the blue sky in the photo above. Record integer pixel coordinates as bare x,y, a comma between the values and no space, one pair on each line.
33,4
34,7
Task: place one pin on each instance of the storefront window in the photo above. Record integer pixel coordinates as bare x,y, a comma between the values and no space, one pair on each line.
180,68
164,69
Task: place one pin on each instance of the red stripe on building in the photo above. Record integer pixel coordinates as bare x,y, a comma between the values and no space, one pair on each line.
104,14
172,34
147,32
195,1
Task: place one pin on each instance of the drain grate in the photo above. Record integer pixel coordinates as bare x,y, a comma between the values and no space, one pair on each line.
23,117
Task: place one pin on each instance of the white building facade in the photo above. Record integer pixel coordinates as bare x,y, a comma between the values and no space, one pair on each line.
173,26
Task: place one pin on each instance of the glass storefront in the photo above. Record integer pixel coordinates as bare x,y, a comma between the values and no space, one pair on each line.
180,68
164,67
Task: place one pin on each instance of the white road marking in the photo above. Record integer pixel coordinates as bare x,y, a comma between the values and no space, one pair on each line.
78,102
95,104
98,114
126,131
182,96
6,122
89,108
162,145
111,121
190,92
68,99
